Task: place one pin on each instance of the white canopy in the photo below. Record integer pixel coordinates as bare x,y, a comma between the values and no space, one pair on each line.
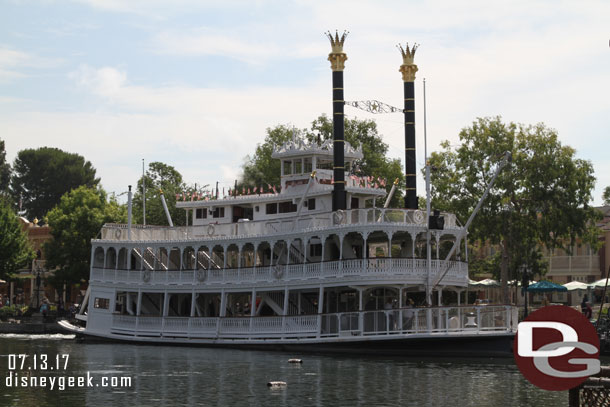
488,282
576,285
600,283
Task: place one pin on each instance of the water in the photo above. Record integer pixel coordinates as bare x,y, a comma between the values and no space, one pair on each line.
192,376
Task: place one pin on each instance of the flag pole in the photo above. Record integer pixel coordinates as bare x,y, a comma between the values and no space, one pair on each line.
143,195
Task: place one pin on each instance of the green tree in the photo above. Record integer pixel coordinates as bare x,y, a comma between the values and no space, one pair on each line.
76,220
42,176
541,200
5,170
261,169
606,196
161,177
15,250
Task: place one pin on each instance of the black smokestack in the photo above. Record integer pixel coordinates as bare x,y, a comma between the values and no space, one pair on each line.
408,69
337,60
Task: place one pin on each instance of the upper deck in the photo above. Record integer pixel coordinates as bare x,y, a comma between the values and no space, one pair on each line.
413,221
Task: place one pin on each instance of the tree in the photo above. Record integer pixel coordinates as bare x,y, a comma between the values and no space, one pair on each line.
541,200
42,176
5,170
15,250
261,169
161,177
606,196
76,220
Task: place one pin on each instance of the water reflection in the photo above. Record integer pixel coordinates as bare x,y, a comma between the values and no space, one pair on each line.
188,376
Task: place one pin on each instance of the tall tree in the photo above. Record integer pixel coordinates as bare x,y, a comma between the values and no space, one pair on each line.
76,220
606,196
42,176
542,200
161,177
261,169
5,170
15,250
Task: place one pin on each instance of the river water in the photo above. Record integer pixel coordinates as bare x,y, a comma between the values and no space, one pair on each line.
193,376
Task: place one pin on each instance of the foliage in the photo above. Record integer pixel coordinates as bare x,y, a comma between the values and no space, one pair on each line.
606,196
541,200
42,176
5,170
74,222
161,177
15,250
261,169
12,311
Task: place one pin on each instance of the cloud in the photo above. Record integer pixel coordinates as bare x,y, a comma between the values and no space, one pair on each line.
10,60
105,81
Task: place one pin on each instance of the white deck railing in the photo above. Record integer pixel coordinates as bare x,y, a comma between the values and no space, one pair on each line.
281,225
428,321
408,270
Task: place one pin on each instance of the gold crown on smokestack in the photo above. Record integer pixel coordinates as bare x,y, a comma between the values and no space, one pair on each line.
408,53
337,42
337,57
408,68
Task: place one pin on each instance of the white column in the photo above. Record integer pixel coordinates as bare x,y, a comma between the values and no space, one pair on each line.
223,303
286,300
193,302
139,305
166,304
320,308
129,304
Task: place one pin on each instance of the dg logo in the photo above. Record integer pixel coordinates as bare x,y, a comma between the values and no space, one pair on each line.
557,348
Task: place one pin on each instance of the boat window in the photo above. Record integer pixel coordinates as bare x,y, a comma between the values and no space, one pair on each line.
103,303
285,207
271,208
201,213
308,167
297,167
218,213
311,204
287,167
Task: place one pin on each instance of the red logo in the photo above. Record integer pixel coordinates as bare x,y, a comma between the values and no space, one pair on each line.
556,348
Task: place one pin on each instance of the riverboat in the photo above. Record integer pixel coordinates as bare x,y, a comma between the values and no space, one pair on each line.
315,265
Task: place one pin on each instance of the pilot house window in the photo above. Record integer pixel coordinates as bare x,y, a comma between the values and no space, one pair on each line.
201,213
285,207
271,208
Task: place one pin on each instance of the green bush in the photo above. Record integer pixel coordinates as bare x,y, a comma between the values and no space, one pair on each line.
10,312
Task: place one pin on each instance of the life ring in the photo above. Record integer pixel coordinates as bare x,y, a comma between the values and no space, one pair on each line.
211,230
117,233
338,217
146,276
418,217
201,275
278,272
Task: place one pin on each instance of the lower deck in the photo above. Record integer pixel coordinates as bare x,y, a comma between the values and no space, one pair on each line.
467,321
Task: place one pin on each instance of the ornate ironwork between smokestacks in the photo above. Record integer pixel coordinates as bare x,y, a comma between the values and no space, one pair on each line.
337,60
408,70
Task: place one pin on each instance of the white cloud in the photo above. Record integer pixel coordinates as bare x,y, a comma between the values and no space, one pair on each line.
106,81
10,60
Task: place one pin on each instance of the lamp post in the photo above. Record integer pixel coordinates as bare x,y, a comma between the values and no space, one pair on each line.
38,289
525,282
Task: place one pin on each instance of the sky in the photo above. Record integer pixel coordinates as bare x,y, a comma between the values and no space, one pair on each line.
195,83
